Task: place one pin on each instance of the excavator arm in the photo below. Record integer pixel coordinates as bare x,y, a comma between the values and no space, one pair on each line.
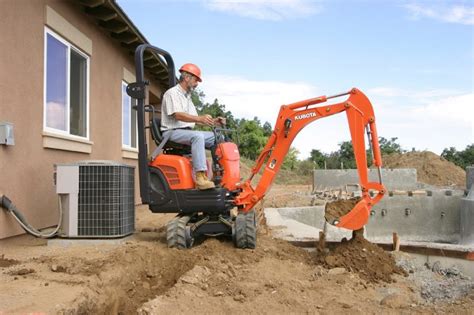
294,117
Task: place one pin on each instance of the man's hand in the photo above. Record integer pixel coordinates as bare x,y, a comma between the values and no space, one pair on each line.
220,121
206,120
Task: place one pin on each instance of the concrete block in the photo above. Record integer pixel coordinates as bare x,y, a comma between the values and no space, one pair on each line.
469,177
405,179
433,217
467,218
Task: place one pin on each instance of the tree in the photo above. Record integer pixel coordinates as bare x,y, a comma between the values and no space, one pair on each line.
251,138
215,109
318,158
460,158
346,154
291,159
267,129
467,156
389,146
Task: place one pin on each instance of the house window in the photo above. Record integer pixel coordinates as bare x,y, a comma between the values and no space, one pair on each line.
66,87
129,120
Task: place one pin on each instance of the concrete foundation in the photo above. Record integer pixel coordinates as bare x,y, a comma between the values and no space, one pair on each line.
434,217
392,178
469,177
467,215
67,242
431,217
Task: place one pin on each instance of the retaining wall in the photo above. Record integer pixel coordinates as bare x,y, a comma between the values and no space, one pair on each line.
435,216
430,217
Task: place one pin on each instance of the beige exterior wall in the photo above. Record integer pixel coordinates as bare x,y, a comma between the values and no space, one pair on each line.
26,169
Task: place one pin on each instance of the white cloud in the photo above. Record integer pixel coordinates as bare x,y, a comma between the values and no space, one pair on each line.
274,10
420,97
456,109
250,98
431,119
462,14
428,119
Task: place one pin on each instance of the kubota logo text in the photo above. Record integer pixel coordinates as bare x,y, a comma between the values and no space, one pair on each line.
304,116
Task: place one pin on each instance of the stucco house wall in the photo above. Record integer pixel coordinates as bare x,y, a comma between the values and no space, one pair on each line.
26,169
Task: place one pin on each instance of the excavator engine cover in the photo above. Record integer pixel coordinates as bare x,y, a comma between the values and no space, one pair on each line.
177,170
229,159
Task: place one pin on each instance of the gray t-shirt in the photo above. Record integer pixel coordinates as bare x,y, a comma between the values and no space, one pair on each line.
176,100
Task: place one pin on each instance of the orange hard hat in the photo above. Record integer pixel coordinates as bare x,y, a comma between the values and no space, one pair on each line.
191,68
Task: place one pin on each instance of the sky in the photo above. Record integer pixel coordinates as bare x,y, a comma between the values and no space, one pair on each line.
413,59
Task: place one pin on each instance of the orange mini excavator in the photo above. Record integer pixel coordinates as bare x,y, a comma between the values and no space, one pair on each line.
166,179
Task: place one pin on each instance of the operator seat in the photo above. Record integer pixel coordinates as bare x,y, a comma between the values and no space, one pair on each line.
170,146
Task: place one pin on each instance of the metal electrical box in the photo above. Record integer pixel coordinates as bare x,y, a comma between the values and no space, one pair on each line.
97,199
6,133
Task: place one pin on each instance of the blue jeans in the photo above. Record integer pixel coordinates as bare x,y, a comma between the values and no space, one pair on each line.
198,140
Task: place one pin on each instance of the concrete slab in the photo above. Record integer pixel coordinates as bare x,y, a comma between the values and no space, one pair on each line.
302,223
67,242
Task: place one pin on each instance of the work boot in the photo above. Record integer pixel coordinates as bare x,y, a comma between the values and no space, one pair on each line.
202,182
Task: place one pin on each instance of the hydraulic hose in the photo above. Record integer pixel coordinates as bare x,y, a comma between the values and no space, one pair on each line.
7,204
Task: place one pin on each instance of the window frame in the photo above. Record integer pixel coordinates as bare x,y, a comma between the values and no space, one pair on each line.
67,133
125,146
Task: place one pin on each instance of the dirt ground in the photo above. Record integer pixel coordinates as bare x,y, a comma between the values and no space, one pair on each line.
141,275
431,168
337,209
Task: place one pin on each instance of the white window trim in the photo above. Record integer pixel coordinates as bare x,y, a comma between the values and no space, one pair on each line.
77,50
124,146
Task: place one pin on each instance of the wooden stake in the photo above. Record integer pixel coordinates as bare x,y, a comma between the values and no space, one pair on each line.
396,242
322,241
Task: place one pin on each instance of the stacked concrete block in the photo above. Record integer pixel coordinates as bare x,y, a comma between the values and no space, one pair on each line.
469,177
403,178
467,210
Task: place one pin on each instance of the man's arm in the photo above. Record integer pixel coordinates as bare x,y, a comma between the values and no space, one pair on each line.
203,120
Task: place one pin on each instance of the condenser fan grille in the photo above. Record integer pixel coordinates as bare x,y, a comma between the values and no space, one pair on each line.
106,200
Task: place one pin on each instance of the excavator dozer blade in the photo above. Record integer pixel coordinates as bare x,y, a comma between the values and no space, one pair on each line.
356,218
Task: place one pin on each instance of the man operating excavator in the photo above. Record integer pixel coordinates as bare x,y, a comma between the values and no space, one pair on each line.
179,116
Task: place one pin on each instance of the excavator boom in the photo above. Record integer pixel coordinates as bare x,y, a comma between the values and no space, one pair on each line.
294,117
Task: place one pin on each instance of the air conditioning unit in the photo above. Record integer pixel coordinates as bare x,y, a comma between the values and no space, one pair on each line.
97,199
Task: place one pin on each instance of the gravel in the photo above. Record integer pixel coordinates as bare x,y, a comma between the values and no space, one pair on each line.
436,283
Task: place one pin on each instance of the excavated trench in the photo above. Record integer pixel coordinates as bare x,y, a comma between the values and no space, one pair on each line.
142,274
139,271
151,278
127,278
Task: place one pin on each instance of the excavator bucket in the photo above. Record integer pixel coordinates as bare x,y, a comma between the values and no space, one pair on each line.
356,218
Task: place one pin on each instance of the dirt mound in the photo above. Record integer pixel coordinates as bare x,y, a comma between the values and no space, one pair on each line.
5,262
358,255
431,168
336,209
